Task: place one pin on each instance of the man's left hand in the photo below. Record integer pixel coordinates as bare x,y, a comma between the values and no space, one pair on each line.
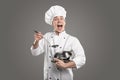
59,63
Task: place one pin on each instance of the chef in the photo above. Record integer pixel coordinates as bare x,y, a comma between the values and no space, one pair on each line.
57,42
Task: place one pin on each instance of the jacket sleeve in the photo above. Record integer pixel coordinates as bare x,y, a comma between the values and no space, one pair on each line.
39,50
79,57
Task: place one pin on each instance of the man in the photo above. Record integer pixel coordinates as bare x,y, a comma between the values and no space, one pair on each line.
57,42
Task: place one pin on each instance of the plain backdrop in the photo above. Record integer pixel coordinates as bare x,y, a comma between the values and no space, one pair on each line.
94,22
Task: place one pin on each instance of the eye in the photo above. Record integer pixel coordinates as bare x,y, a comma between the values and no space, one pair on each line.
61,18
55,19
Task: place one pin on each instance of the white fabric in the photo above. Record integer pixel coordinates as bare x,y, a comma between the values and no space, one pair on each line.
54,11
50,70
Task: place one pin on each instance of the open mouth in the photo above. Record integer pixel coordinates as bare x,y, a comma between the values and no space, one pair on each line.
59,25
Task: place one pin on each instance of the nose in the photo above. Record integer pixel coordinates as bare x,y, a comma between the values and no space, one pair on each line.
59,20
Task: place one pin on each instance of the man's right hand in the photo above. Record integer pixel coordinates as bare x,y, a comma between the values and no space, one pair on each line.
37,36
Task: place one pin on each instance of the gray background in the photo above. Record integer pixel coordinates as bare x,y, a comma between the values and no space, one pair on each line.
94,22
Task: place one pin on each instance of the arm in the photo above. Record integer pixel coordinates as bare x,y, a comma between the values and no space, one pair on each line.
78,60
79,57
60,63
37,47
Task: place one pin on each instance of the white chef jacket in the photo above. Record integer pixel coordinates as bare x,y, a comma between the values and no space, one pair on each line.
66,42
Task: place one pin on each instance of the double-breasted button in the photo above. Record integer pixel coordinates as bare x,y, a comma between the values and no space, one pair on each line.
50,78
51,36
49,67
60,47
57,68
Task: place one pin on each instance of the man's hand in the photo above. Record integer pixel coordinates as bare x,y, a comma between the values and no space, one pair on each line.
37,36
59,63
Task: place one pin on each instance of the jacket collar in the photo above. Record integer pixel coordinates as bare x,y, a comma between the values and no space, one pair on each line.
60,34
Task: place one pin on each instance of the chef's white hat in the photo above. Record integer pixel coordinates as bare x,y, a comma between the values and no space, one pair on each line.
54,11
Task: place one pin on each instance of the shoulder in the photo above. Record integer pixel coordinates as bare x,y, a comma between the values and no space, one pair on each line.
73,38
48,34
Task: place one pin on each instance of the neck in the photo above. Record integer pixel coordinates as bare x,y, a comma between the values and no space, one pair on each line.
57,33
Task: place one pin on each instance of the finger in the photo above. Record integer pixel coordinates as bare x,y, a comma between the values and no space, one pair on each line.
57,63
57,60
37,37
39,34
